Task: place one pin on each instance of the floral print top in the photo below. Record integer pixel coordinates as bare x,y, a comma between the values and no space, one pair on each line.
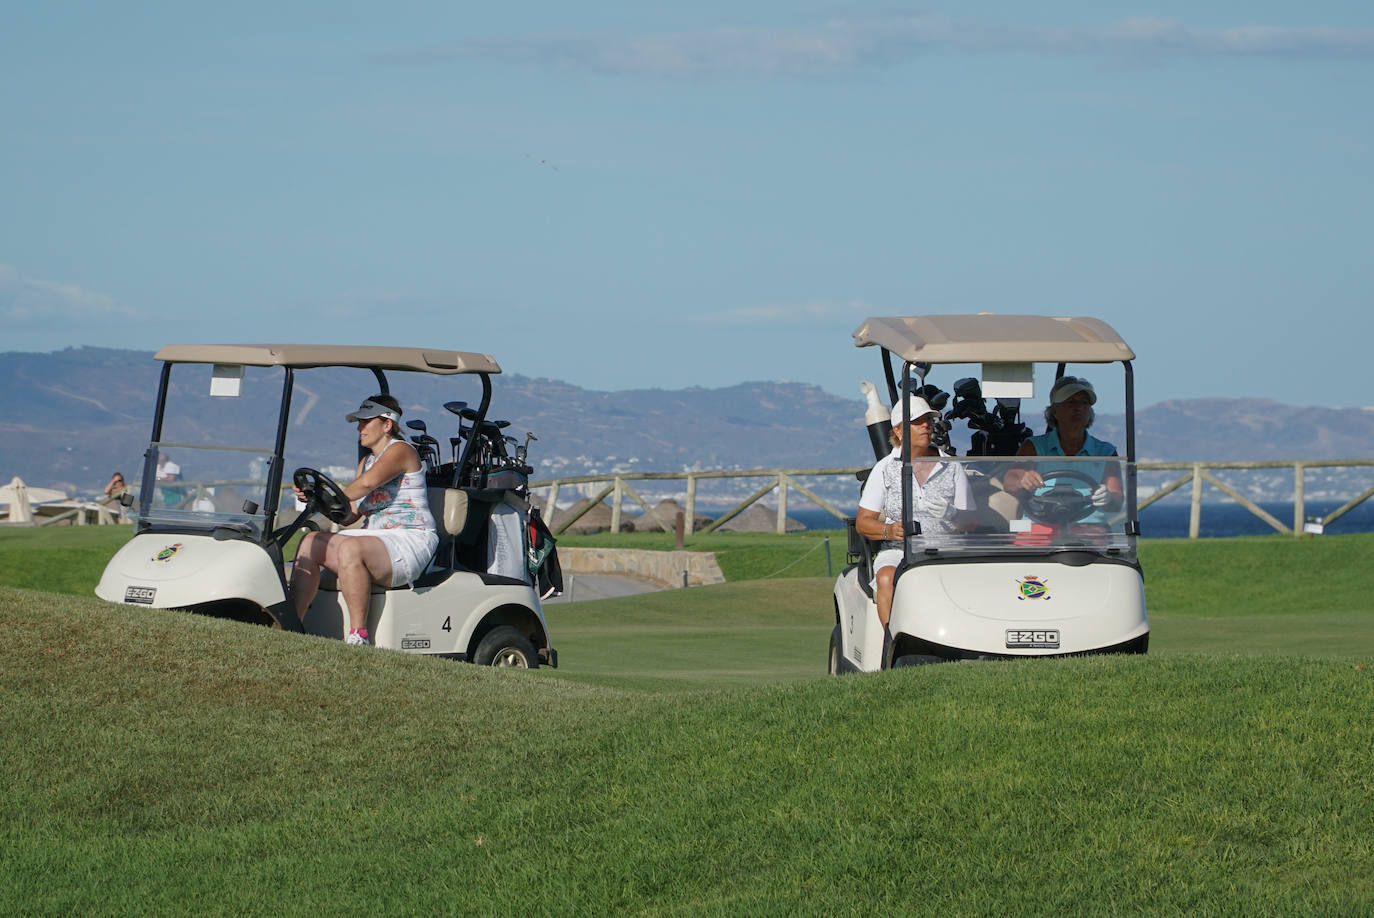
401,503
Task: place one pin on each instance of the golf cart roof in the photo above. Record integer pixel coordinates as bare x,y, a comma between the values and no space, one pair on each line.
989,338
303,356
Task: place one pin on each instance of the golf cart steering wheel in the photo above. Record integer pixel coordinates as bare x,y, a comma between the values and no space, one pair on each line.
1061,503
323,493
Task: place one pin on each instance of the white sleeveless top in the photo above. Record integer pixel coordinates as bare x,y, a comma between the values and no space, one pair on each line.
401,503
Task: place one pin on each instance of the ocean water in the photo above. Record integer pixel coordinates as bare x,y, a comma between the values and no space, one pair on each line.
1166,520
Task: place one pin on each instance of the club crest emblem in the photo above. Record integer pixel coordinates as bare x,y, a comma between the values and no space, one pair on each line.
1032,587
167,552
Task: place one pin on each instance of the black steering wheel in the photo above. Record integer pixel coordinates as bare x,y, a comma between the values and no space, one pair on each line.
1061,503
323,493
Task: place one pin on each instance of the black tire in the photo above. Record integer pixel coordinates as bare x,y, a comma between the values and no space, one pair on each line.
915,659
834,667
506,647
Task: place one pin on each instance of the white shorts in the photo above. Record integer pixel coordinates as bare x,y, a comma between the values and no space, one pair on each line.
888,557
410,550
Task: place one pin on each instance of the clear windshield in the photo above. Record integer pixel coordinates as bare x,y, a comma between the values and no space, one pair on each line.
211,466
209,498
1027,505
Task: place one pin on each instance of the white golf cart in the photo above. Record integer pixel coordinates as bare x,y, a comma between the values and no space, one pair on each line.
1041,572
209,539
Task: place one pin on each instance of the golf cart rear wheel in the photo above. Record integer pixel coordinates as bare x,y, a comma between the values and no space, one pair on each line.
507,648
834,662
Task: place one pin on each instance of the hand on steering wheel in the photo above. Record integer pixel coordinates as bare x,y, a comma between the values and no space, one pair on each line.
1062,503
323,493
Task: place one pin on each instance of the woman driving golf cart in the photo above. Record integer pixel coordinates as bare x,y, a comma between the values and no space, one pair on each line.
941,500
1067,419
399,536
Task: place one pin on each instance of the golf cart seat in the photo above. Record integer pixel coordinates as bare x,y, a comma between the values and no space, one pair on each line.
450,509
996,508
861,551
464,519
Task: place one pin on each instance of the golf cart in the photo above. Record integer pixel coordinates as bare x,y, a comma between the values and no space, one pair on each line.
213,539
1040,571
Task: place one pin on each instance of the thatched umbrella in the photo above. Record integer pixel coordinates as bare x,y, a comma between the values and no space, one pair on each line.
597,519
760,518
668,509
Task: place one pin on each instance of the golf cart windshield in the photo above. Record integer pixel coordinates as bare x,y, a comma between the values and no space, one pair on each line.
1031,505
210,467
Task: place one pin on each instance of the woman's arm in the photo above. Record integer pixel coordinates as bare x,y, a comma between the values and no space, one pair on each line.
1112,479
1022,478
870,525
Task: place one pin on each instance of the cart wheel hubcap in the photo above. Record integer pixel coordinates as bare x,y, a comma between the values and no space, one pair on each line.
509,657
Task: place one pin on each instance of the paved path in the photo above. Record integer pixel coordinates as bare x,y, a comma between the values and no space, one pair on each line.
581,587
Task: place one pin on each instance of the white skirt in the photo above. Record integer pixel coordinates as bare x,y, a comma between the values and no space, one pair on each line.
410,550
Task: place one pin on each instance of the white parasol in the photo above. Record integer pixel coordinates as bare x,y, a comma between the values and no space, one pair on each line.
20,499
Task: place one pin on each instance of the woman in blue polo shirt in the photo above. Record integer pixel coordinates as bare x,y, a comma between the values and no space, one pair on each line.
1067,419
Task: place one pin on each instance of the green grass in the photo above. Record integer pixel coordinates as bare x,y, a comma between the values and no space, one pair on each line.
58,559
741,555
702,638
690,759
162,762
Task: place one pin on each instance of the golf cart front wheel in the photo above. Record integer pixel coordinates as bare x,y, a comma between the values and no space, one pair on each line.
507,648
834,663
915,659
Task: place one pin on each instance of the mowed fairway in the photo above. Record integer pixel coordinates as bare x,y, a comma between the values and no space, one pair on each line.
690,757
1235,596
702,638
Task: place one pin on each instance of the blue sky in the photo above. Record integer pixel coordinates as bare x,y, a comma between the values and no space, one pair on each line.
621,195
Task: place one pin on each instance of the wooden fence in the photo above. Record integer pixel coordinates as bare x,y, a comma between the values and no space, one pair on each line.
617,487
784,481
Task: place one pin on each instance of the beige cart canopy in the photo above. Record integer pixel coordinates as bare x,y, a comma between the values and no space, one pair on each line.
989,338
306,356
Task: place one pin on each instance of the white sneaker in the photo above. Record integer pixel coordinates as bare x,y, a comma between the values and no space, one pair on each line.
357,639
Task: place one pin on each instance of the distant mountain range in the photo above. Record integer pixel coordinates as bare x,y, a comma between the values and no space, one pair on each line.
71,417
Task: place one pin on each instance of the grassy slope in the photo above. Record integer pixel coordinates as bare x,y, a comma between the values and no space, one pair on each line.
160,761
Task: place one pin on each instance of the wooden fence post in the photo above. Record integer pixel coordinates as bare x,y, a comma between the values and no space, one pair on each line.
689,523
552,506
615,503
1299,508
1195,516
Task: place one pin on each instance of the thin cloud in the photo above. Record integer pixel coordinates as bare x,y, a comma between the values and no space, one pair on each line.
783,312
843,45
29,302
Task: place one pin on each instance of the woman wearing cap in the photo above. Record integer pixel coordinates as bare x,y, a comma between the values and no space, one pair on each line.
399,536
941,500
1067,419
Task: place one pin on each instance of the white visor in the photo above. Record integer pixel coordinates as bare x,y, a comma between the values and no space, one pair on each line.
370,409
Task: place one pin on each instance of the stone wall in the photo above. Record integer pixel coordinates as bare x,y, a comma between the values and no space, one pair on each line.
661,567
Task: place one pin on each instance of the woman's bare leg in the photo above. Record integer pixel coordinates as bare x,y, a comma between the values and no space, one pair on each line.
305,573
883,594
360,561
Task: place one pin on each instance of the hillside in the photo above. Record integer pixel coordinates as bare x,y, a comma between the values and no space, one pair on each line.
73,416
